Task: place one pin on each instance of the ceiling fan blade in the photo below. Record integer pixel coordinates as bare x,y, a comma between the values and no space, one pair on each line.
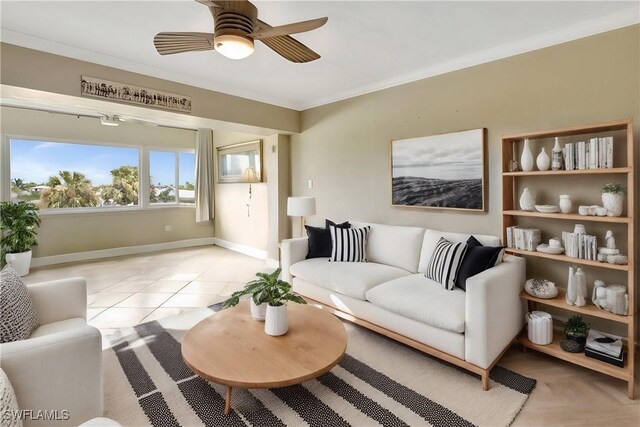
284,30
170,43
291,49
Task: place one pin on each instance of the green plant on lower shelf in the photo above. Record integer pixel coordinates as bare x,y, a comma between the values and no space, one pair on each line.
614,188
267,288
576,326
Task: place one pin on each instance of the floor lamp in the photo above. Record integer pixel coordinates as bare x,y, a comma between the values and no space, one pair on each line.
301,206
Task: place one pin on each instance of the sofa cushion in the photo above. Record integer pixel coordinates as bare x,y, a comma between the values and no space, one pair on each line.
423,300
477,259
394,245
349,278
431,238
18,317
59,326
348,244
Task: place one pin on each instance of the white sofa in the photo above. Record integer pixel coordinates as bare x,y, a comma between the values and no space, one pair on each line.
391,295
59,367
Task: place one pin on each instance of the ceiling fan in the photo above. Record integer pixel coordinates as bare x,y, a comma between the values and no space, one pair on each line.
236,27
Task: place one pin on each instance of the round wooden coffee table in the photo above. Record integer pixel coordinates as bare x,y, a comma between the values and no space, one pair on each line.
231,348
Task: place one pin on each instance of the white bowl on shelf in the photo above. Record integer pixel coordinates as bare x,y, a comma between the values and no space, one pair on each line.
548,208
546,249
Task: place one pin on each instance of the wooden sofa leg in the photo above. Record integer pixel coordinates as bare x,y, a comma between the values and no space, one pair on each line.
485,380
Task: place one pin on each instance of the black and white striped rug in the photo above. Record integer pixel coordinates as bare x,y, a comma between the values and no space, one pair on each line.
378,382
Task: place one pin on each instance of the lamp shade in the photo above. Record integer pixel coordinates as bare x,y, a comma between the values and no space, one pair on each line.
249,176
301,206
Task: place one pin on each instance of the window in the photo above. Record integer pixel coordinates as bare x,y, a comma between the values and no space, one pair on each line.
66,176
58,175
170,170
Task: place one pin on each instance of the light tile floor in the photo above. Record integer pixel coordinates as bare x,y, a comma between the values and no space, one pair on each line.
125,291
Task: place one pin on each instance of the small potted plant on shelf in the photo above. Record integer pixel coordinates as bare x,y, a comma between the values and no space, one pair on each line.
576,330
18,223
613,198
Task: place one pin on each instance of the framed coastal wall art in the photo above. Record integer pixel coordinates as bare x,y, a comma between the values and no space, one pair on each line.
234,159
440,171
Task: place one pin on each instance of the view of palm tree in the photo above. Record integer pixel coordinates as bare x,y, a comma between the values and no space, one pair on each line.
124,189
69,190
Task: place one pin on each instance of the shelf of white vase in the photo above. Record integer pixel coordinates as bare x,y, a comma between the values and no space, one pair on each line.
571,217
564,258
588,310
572,172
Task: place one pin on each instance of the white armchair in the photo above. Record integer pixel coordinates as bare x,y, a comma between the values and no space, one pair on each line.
60,366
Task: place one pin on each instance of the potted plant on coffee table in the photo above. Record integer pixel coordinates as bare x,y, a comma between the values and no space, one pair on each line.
257,289
276,298
18,223
576,330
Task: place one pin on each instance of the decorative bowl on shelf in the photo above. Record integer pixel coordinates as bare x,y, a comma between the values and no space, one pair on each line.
544,248
548,208
541,288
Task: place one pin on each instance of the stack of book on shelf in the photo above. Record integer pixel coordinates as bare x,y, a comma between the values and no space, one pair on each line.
580,245
597,153
523,238
605,347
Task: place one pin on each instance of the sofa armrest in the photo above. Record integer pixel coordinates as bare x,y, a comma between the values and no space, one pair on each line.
59,299
59,371
292,251
494,312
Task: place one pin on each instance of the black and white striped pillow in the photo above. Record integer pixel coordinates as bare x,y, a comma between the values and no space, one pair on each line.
445,262
349,244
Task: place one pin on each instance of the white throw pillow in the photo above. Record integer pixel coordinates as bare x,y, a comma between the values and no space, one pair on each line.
445,262
8,403
349,244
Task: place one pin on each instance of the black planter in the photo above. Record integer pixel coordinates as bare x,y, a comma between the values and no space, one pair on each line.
582,340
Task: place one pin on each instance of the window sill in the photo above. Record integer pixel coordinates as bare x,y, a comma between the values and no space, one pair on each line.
111,211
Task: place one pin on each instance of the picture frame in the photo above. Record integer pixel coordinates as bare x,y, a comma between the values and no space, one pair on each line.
234,159
446,171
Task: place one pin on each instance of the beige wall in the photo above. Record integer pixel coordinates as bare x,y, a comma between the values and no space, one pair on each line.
27,68
344,146
78,232
231,221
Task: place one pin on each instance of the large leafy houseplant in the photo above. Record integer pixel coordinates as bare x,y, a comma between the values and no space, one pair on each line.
18,223
267,288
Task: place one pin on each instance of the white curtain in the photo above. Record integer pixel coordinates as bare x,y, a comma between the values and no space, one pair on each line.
204,175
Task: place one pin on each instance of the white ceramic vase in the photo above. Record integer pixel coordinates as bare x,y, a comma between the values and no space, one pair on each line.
526,159
276,320
527,202
581,288
613,202
20,262
571,295
258,312
543,161
566,206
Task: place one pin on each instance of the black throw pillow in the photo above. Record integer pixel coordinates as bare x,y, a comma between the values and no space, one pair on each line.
320,239
477,259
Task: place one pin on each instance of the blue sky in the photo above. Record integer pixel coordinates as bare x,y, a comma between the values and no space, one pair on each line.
38,160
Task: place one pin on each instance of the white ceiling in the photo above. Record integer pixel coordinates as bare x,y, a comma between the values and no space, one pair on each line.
365,46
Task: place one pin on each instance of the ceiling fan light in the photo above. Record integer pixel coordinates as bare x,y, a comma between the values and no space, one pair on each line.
233,47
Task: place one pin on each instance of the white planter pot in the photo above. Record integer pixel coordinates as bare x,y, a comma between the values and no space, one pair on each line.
20,262
276,321
258,312
613,202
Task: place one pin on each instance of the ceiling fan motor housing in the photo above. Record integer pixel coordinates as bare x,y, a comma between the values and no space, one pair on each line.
232,23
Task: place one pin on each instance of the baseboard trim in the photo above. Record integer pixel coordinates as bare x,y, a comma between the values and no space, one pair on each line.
114,252
243,249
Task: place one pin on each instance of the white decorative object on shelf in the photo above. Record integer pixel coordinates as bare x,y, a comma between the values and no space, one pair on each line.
606,251
526,159
610,241
527,201
548,249
581,288
276,320
566,206
539,327
571,295
579,229
543,161
541,288
613,199
556,156
617,259
612,298
601,211
593,209
547,208
583,210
